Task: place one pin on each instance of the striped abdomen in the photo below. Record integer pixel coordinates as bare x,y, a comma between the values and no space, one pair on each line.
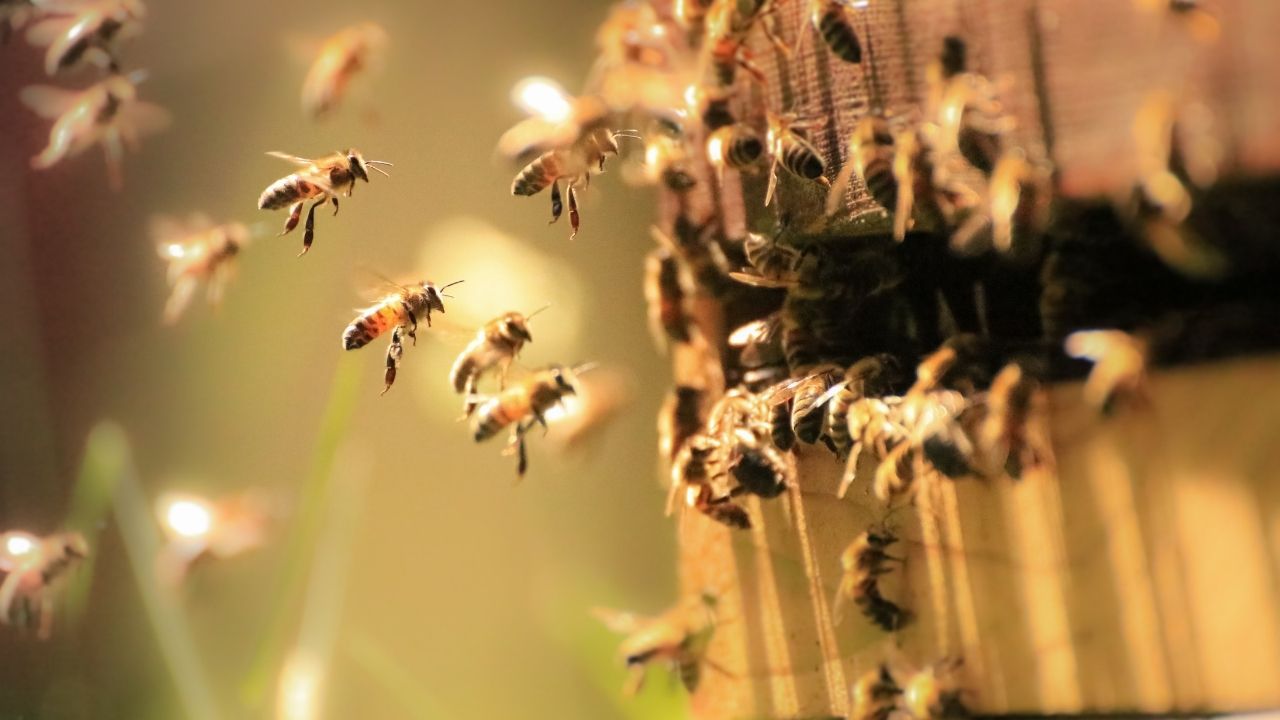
838,34
499,412
881,183
739,145
287,191
537,175
801,158
372,323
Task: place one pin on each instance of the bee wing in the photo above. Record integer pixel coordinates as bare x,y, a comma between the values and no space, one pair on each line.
619,621
47,101
783,391
760,281
48,30
757,331
535,135
183,289
142,118
304,162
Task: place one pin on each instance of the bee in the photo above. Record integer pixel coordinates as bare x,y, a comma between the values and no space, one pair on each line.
680,418
871,423
320,181
13,16
973,121
736,146
108,113
958,363
401,311
758,467
573,166
197,250
1016,205
1010,404
677,638
344,55
808,396
1119,371
869,377
919,187
496,345
760,350
774,264
874,695
935,692
933,424
791,151
35,567
664,293
665,161
728,27
523,405
197,528
85,32
871,157
695,472
830,19
864,561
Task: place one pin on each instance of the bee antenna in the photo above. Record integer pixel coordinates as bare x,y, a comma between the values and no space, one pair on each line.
584,367
633,134
373,165
535,312
379,162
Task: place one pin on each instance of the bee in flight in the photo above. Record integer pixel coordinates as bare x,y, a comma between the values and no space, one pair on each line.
196,250
35,567
496,345
401,311
319,181
343,56
198,528
573,166
76,33
523,405
107,113
678,637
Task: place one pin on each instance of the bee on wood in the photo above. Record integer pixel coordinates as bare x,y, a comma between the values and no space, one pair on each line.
1011,402
572,166
872,423
399,310
496,345
197,251
790,150
680,419
874,695
521,406
14,14
85,32
830,19
935,692
108,113
344,55
871,376
736,146
695,472
1119,371
757,466
664,294
677,638
871,157
35,568
320,181
863,559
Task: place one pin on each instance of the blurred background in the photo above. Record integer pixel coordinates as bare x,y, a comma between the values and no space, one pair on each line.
408,573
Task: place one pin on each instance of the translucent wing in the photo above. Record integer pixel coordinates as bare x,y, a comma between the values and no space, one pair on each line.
760,281
304,162
47,101
619,621
142,118
45,32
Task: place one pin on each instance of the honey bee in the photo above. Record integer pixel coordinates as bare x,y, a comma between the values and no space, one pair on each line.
1017,203
695,472
792,151
760,350
320,181
13,16
810,400
573,166
1010,404
665,161
664,292
523,405
871,157
757,466
736,146
973,121
871,423
830,19
344,55
108,113
197,528
775,264
680,418
920,187
35,568
864,561
197,250
1119,371
677,638
84,32
869,377
933,423
935,692
399,310
496,345
874,695
728,27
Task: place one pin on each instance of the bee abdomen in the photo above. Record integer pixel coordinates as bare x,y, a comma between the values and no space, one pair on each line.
744,149
729,514
464,368
839,35
537,175
364,329
780,427
490,419
881,183
283,192
802,159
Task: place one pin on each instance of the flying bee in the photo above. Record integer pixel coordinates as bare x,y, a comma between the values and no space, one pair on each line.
830,19
874,695
197,250
1011,401
664,293
921,187
1119,367
959,363
680,418
864,558
401,311
871,157
521,406
935,692
973,121
871,376
108,113
35,568
197,529
790,150
677,638
496,345
320,181
1016,205
344,55
13,16
736,146
85,32
573,166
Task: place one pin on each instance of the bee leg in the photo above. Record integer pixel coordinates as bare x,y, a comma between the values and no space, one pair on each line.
394,352
291,222
573,212
309,232
557,205
413,320
334,198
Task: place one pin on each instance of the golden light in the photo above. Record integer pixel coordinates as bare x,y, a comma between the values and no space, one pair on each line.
174,250
299,691
19,544
188,517
543,97
715,150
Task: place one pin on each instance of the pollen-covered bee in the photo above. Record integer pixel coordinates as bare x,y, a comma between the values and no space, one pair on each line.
871,157
196,250
345,54
790,150
677,638
84,32
874,695
736,146
401,311
496,345
521,406
830,19
34,568
320,181
1119,367
935,692
108,113
871,376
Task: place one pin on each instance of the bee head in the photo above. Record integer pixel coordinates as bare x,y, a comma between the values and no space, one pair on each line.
515,325
564,379
74,545
435,295
356,161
